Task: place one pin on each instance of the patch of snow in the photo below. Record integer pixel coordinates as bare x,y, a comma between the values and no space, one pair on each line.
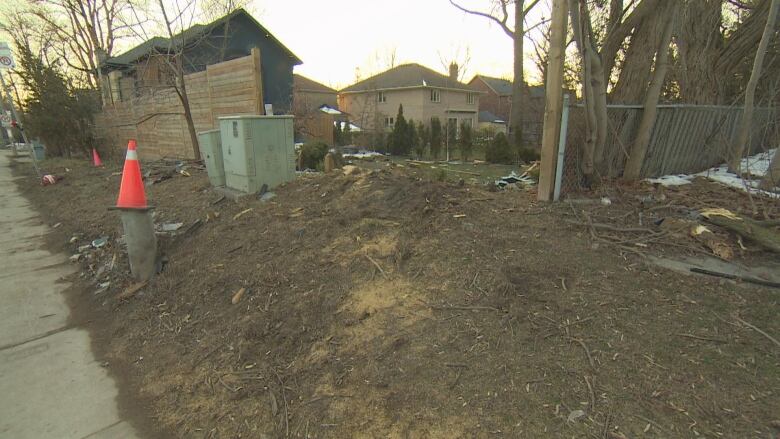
329,110
672,180
363,154
352,127
756,165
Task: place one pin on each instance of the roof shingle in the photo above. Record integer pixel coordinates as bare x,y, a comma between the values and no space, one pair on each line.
302,83
406,75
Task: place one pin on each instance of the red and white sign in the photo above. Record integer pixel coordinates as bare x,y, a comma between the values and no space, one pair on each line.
6,57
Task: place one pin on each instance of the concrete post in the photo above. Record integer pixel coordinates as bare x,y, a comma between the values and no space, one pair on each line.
141,242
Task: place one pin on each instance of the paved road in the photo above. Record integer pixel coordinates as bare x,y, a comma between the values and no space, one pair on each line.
51,386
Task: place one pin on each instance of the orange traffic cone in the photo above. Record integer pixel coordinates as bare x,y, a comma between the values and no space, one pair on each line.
131,190
96,158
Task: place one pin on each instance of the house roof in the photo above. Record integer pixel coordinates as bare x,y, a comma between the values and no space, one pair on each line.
187,36
303,83
486,116
502,87
405,76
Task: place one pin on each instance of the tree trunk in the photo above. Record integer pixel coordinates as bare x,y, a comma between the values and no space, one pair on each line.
772,177
516,111
594,90
639,149
741,140
181,87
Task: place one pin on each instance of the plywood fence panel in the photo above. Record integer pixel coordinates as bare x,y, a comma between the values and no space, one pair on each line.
156,119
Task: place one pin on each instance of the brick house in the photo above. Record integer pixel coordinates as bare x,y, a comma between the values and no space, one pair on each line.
424,93
497,99
311,95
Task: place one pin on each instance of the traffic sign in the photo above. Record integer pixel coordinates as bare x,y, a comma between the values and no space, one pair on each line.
6,57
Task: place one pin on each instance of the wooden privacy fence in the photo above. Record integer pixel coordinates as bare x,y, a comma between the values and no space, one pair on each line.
685,139
156,119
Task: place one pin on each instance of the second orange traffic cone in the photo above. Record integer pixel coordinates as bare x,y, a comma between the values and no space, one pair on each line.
96,158
131,190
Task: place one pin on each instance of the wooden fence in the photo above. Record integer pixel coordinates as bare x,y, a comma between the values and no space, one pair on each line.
685,138
156,118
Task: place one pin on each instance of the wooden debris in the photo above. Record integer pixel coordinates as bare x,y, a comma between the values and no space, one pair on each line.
760,331
745,227
238,295
240,214
130,291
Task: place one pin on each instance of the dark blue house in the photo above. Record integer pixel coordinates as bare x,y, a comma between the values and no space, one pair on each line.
146,66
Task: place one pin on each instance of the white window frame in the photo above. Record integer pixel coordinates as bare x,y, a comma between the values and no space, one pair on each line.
381,97
470,98
435,95
389,122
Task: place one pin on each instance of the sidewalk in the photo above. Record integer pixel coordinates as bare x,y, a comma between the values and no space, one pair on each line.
51,386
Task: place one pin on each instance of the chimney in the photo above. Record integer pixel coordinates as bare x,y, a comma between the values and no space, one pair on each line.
454,71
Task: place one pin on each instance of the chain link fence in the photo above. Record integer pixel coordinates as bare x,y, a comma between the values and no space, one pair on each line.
685,139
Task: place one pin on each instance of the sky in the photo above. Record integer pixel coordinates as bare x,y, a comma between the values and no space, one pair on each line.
336,38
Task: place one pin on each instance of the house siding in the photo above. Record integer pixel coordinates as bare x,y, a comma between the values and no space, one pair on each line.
370,114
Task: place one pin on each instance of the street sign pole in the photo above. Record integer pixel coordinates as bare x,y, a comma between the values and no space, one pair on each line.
7,62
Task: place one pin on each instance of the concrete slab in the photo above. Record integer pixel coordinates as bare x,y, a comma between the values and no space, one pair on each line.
54,388
51,386
32,305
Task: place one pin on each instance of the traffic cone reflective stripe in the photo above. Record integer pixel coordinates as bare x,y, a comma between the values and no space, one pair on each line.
96,158
131,190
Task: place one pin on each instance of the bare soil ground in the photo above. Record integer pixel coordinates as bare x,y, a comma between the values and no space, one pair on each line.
384,305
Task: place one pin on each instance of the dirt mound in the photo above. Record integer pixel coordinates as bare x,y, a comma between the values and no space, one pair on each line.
381,305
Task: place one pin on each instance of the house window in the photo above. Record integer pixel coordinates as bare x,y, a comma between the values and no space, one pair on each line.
381,97
435,97
452,127
470,99
467,122
389,122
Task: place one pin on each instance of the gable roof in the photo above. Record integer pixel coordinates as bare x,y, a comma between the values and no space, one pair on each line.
161,44
406,76
502,87
302,83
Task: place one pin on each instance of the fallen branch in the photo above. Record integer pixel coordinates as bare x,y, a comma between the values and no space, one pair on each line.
746,228
610,227
585,348
717,340
757,329
376,264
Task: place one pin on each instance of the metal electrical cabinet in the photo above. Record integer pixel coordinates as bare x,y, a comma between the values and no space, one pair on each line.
257,150
211,150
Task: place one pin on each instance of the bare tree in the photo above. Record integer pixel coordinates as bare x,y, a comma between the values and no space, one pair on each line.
500,15
87,31
639,148
175,61
741,139
597,65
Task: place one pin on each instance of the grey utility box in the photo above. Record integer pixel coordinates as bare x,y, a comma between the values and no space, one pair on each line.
257,150
211,150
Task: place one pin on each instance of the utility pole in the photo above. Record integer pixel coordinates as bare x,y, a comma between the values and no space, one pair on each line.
554,100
